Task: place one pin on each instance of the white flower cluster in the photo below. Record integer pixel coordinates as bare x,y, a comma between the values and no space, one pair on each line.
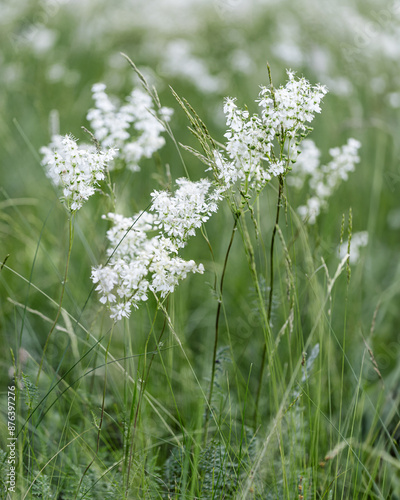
307,163
286,110
179,215
76,171
323,179
134,128
143,252
250,138
358,240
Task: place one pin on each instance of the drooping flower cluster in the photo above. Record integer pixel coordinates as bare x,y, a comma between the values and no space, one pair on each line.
255,143
134,128
143,251
323,179
77,171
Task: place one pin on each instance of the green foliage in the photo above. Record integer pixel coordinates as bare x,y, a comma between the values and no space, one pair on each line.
147,408
219,472
92,487
42,488
3,469
30,392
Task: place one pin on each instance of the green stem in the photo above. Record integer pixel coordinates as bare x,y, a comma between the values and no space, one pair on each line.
208,409
145,377
271,290
271,271
101,416
70,240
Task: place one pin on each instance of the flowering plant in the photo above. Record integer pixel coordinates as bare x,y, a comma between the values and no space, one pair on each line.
77,171
134,128
143,253
255,149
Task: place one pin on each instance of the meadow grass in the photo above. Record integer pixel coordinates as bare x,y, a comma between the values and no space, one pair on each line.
272,375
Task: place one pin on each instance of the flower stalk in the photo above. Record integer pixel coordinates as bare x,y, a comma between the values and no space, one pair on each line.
221,286
271,292
64,282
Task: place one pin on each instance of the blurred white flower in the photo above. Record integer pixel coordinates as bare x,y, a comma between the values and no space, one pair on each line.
134,128
241,61
311,210
307,163
340,85
322,179
288,51
179,61
76,171
394,99
59,72
358,240
393,218
42,39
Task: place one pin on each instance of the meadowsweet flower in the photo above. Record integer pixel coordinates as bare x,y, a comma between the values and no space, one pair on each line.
143,250
286,110
307,163
310,211
324,179
134,128
343,161
77,171
167,269
109,125
181,214
358,240
253,157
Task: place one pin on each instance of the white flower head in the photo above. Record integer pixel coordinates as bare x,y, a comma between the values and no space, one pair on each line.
253,157
77,171
287,109
323,180
358,240
307,163
180,215
311,210
134,128
143,249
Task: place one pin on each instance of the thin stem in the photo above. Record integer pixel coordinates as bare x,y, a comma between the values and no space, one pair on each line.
101,416
271,291
145,378
70,240
271,271
207,418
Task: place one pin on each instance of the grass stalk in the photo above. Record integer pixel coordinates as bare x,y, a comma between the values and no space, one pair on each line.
100,425
145,377
70,240
217,319
271,291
